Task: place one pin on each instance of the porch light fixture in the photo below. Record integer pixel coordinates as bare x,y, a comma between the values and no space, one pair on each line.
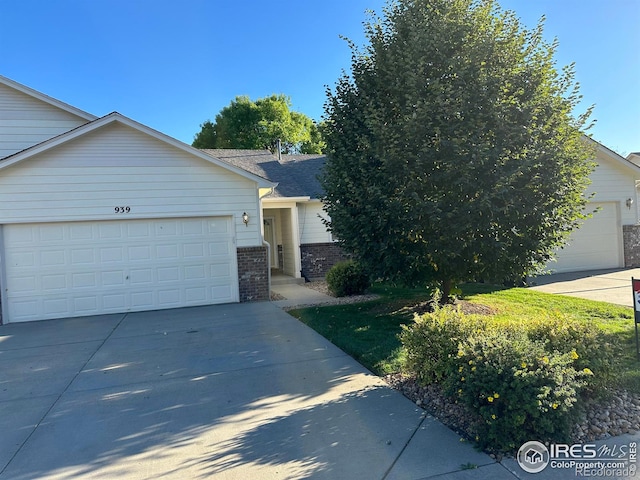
245,219
629,202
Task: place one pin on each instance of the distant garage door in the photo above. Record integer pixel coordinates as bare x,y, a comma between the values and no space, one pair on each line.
595,245
88,268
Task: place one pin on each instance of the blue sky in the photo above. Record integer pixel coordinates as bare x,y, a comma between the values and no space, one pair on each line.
174,64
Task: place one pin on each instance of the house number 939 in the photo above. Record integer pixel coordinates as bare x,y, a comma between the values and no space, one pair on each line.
122,209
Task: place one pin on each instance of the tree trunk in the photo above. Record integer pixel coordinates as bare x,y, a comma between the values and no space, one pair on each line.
446,285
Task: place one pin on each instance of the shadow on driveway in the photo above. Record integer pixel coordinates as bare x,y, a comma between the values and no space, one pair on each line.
231,391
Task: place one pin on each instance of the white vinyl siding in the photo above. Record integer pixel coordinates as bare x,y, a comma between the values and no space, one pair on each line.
312,229
611,182
26,121
76,269
117,166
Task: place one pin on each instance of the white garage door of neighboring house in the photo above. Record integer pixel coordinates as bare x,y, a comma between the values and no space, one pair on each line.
595,245
75,269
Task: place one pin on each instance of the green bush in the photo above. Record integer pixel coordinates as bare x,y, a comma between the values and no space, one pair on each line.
523,380
347,278
596,351
520,390
433,339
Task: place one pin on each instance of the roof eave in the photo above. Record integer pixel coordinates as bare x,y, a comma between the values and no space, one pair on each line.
286,199
116,117
47,99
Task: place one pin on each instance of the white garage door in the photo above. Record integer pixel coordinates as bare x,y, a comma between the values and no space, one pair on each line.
595,245
87,268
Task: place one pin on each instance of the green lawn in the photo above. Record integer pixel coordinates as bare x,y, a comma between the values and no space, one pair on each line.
368,331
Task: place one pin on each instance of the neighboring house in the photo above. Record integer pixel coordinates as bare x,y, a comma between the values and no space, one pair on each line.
293,217
293,214
611,237
105,215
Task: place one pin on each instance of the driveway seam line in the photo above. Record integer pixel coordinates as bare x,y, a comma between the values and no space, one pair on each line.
415,430
57,400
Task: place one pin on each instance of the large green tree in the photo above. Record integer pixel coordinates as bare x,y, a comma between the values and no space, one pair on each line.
454,153
246,124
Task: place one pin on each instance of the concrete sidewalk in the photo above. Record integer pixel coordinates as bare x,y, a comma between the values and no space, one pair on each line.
613,286
296,294
228,392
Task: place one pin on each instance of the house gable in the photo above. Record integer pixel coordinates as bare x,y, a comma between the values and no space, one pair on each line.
614,180
28,117
89,172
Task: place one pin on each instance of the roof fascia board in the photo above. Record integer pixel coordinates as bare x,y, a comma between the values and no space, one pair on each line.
47,99
617,158
116,117
286,199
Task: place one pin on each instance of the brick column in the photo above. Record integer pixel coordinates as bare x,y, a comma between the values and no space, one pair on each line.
253,273
631,240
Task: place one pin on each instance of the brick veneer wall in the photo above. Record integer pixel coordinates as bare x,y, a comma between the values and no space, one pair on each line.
631,241
318,258
253,273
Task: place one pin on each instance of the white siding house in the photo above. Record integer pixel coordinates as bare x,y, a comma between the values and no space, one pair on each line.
599,242
112,216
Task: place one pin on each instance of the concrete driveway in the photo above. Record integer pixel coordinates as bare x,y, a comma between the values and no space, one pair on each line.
613,286
230,392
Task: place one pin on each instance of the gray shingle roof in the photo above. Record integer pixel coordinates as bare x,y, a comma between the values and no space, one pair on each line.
296,175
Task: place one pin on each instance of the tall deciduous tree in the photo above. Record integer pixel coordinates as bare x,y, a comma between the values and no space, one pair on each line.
453,151
260,124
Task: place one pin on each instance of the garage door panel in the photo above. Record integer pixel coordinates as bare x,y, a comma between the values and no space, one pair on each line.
141,276
168,274
111,254
52,258
110,231
138,230
114,302
81,232
165,252
194,272
83,256
51,232
84,280
79,269
193,228
56,306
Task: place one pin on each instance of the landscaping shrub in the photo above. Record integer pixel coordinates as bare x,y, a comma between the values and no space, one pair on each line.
524,380
520,390
347,278
596,351
433,339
